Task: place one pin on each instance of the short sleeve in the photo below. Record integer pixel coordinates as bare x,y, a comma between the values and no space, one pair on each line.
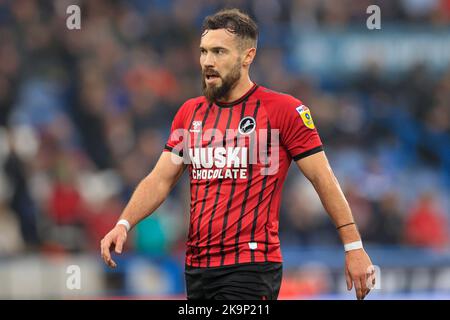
177,135
298,132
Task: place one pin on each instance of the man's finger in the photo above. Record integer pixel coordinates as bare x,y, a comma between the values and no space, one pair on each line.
348,279
102,250
112,264
365,293
364,289
358,288
119,245
370,280
105,245
363,278
109,261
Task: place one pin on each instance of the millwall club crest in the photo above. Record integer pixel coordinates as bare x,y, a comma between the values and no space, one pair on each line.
247,125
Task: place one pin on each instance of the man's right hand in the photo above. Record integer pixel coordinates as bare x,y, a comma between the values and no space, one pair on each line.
146,198
116,237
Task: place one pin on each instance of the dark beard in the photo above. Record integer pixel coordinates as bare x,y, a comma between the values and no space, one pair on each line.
215,93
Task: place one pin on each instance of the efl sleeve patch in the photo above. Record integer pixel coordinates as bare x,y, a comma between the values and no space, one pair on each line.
305,114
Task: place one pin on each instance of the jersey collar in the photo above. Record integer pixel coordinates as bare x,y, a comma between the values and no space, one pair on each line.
238,101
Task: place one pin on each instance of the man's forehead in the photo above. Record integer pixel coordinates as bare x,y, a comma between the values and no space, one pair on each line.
216,37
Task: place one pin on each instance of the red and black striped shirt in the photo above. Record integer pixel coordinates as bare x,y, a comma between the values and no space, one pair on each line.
238,155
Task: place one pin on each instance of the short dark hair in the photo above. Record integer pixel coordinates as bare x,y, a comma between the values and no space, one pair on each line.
235,21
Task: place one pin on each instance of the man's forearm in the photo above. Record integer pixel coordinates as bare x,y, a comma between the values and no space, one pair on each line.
147,197
336,205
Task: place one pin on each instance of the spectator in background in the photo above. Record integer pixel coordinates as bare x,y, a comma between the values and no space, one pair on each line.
11,240
362,208
21,201
387,226
306,222
426,226
111,80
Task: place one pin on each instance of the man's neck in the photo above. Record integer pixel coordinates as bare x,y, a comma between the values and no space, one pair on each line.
243,86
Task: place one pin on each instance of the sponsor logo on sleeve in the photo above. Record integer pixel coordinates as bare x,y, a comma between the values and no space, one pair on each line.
305,114
196,126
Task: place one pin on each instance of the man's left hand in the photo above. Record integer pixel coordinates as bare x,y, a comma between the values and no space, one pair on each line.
359,272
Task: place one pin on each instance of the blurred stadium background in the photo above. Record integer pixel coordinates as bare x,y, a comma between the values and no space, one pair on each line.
84,115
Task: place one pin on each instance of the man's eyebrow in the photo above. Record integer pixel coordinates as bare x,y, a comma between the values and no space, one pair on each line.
213,48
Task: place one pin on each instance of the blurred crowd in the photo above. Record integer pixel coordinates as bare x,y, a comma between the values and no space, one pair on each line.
84,115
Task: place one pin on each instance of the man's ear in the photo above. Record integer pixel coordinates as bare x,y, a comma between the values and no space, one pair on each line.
248,57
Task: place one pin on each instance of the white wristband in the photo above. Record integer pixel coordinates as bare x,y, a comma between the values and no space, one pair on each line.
353,246
124,223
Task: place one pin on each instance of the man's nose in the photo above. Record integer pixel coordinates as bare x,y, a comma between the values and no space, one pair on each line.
209,60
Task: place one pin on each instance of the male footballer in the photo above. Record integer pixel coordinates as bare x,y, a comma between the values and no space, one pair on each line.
237,142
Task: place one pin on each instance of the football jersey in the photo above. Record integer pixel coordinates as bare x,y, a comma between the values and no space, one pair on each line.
238,155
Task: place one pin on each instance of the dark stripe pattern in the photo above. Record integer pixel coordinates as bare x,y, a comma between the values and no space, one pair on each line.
208,183
230,199
267,221
205,117
230,115
247,190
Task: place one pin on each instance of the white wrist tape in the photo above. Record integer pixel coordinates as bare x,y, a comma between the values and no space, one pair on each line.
124,223
353,246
